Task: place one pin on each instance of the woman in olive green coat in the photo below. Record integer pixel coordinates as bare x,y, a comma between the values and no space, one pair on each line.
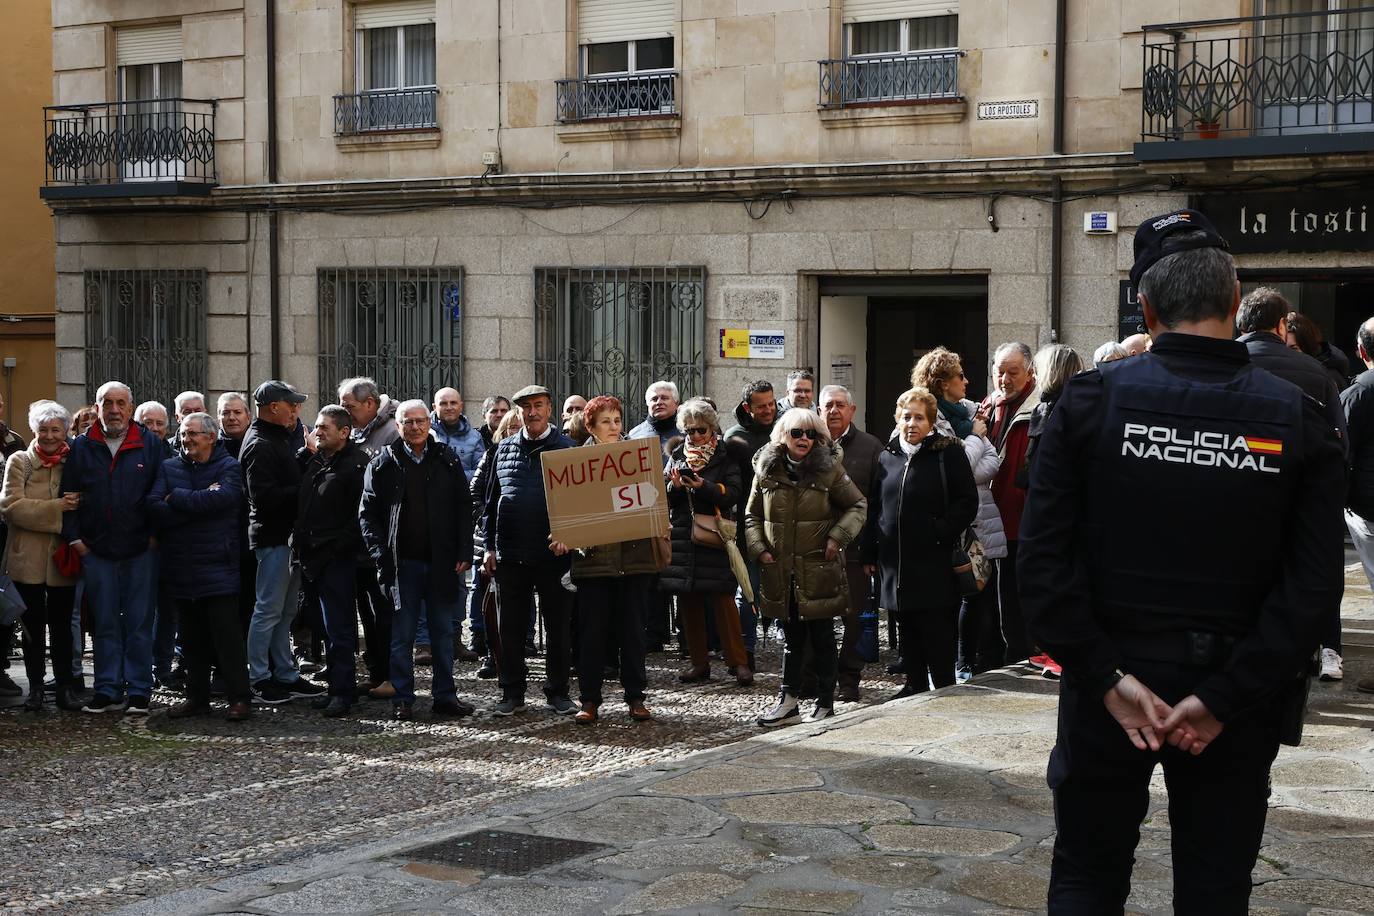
803,511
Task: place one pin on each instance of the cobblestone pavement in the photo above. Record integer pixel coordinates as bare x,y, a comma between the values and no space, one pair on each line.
932,804
101,811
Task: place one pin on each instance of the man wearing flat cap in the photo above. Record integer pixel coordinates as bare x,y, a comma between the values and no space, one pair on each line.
518,555
1185,633
272,476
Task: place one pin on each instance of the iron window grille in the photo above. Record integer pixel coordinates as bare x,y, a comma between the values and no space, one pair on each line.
146,328
621,79
894,61
131,143
386,109
401,326
397,84
1280,75
615,330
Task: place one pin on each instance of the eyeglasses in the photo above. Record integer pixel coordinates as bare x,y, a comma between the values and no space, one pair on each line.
808,433
697,430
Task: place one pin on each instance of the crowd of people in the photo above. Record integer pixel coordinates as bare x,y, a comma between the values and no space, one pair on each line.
235,554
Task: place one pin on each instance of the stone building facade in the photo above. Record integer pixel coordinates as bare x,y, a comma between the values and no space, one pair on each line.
597,193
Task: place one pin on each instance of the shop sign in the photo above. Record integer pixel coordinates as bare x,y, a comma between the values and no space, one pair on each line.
1298,221
747,343
1130,319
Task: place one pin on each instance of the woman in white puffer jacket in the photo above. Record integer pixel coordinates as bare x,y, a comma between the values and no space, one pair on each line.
942,373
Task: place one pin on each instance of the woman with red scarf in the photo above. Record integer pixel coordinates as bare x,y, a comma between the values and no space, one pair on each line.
32,508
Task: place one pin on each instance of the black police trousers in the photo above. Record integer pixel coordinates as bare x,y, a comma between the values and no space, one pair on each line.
1217,803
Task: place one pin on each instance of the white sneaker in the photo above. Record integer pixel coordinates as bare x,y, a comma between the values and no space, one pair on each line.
819,713
785,713
1331,666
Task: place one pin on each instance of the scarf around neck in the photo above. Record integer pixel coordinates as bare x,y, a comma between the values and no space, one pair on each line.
55,458
698,456
958,416
907,448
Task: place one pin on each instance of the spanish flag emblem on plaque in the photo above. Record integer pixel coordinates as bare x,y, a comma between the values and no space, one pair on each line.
734,343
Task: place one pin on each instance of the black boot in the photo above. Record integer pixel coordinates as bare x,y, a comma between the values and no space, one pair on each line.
71,698
34,701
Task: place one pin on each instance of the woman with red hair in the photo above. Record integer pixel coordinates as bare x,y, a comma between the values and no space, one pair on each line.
614,585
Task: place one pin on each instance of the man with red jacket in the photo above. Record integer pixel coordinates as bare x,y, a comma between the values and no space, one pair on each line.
1007,412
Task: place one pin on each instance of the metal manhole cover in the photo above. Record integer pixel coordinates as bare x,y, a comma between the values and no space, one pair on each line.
502,852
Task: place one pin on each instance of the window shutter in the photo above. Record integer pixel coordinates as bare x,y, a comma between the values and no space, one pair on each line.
386,15
149,44
600,21
878,10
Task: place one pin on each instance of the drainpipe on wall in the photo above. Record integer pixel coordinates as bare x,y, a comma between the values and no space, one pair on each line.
1057,183
273,217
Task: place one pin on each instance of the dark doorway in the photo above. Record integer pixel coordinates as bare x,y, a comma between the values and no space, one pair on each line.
901,329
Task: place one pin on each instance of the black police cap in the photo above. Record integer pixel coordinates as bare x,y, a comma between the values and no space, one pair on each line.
1151,239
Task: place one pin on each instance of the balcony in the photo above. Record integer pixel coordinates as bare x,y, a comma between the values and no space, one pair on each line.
898,79
1285,84
633,95
159,147
383,110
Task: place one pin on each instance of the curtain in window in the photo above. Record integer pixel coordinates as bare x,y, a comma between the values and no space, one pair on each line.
419,40
877,37
380,59
933,32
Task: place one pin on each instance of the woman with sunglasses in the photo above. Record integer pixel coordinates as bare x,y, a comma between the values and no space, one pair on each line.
924,498
941,372
703,482
803,511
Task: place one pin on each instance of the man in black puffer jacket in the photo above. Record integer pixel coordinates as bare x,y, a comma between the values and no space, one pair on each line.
1263,328
516,521
1262,322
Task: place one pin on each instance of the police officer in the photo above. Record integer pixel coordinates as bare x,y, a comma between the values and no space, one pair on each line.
1181,631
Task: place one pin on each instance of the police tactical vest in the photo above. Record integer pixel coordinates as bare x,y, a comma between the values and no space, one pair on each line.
1191,484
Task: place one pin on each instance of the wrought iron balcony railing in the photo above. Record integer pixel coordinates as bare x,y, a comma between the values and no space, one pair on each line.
635,95
386,109
157,146
919,77
1300,82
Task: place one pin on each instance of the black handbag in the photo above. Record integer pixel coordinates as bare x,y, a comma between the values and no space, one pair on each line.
968,559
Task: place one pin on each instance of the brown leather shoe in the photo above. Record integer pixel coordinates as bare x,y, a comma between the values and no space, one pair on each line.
743,676
239,712
424,658
587,715
187,708
639,712
383,691
693,675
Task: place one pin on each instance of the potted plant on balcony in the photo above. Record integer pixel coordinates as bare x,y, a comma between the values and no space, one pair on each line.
1207,114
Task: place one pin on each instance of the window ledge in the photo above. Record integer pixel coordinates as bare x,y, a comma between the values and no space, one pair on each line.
895,114
424,138
629,128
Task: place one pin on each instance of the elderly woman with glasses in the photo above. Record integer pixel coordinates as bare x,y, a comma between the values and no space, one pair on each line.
924,498
803,511
703,483
194,504
31,506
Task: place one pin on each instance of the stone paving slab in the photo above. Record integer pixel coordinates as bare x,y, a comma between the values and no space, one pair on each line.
934,804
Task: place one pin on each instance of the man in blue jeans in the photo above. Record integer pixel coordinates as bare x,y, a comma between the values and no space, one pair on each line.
414,494
272,475
113,466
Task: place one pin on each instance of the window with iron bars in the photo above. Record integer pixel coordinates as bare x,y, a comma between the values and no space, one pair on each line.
615,330
400,326
146,328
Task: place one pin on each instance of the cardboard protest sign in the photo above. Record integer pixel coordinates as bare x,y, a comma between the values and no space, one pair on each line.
602,494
